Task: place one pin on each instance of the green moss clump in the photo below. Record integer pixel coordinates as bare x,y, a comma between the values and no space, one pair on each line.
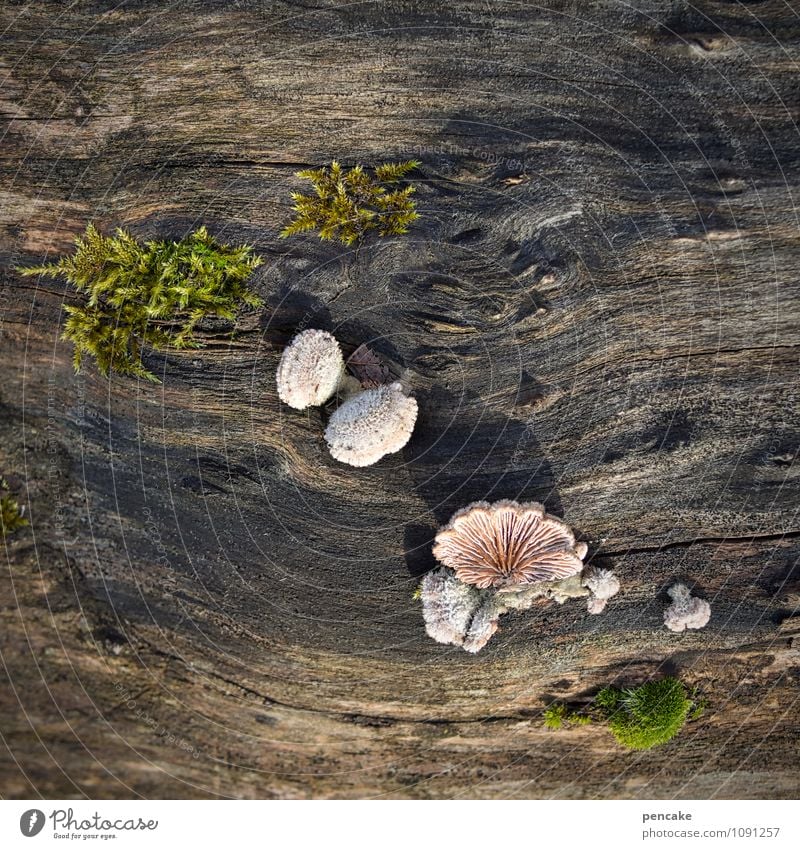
150,295
346,205
645,716
639,717
11,518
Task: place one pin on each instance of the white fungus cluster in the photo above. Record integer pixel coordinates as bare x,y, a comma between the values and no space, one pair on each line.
448,607
602,585
370,425
311,370
482,628
459,614
686,611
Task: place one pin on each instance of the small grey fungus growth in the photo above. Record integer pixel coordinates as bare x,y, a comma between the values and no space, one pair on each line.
602,584
448,606
686,611
459,614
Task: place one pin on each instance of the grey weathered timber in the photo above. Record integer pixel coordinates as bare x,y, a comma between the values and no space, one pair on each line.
598,309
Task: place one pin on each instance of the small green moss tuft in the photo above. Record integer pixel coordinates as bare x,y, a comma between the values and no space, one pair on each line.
555,715
347,204
645,716
11,518
150,295
700,703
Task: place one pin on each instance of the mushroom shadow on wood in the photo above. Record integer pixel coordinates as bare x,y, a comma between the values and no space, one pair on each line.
463,451
351,334
291,311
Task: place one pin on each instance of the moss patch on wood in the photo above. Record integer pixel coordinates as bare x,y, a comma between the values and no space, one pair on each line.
148,296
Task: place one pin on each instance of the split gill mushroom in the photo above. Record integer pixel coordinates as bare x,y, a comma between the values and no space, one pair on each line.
508,544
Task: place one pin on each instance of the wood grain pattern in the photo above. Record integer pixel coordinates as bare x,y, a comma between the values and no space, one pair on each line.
597,310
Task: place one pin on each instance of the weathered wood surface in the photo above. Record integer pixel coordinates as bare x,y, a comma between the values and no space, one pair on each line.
599,310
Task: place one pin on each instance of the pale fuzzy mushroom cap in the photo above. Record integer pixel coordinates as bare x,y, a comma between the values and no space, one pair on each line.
686,611
448,606
483,627
596,605
456,613
507,543
370,425
310,370
602,584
